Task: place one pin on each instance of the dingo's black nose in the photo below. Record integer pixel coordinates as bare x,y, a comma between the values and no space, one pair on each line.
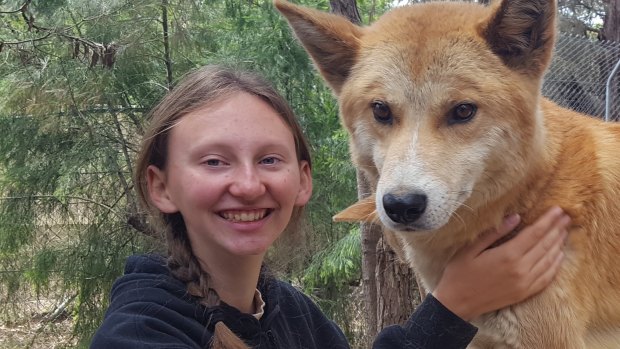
404,209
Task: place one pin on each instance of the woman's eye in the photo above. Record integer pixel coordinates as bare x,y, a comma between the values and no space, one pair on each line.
269,160
382,113
462,113
213,162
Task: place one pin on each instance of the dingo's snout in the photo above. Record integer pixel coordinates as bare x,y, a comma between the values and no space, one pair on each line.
404,209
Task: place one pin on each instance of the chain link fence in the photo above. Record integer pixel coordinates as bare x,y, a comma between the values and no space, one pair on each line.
580,74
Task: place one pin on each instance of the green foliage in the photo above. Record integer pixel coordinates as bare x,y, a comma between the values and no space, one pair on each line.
40,272
337,266
48,6
332,276
68,134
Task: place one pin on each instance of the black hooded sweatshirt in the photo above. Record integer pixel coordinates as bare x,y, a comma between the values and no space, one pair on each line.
151,309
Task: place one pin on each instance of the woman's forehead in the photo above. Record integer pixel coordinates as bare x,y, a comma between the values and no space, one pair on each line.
240,117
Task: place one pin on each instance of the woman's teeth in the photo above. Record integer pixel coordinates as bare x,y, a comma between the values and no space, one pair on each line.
244,216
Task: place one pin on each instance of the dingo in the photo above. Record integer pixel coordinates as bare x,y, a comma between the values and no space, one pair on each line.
443,105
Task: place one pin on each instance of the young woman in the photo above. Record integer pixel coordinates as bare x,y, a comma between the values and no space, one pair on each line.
224,170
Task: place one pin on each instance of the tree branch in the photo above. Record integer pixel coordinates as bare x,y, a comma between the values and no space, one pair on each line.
25,41
22,8
138,222
164,17
58,199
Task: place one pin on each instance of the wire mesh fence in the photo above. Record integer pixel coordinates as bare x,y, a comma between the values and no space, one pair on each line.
580,73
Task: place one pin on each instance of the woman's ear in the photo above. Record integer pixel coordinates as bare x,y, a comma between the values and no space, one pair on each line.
158,191
305,187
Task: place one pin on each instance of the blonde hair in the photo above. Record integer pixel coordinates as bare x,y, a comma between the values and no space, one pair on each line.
205,86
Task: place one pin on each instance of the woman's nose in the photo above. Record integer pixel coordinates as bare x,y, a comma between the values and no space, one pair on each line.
247,183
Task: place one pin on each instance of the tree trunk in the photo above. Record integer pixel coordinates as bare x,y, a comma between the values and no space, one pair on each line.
346,8
371,234
397,291
611,25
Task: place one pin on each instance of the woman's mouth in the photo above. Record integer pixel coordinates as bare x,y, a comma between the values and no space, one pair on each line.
245,215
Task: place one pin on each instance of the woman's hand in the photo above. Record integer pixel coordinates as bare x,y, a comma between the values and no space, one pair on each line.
479,279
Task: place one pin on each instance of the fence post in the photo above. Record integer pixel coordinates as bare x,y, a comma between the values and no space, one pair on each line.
608,90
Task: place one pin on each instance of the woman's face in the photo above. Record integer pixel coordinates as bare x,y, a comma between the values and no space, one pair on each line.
234,176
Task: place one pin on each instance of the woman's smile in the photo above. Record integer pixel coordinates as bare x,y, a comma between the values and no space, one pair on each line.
238,216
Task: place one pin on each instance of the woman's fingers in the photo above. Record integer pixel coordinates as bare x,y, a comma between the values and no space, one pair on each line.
546,269
552,239
542,256
531,236
489,237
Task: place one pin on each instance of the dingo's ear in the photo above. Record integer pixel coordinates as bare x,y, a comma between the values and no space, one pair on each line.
361,211
331,40
521,33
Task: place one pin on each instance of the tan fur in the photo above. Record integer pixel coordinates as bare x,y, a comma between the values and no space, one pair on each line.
361,211
520,153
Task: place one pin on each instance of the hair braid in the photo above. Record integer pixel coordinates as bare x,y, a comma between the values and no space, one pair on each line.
184,265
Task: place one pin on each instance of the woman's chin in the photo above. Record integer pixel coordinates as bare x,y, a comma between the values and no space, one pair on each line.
254,248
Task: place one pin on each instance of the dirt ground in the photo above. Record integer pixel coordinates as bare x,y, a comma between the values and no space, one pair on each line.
36,335
33,328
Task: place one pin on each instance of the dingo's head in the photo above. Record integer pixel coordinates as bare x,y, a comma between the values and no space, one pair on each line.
440,99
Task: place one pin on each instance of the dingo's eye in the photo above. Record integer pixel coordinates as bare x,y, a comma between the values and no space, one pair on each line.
462,113
382,112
